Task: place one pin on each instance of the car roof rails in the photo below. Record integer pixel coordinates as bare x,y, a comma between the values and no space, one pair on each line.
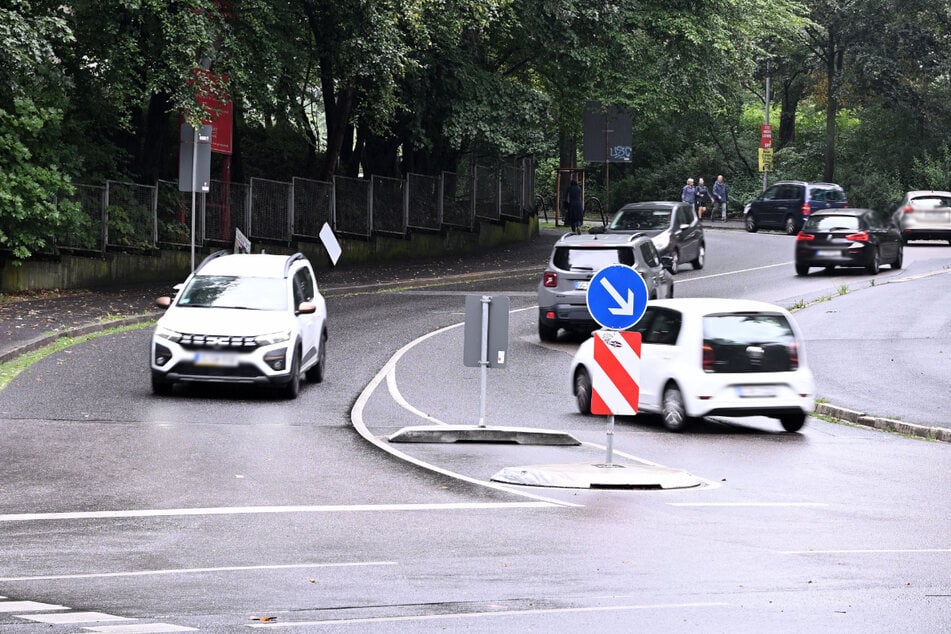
216,254
290,260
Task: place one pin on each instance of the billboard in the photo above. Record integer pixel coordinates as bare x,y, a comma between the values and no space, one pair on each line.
607,133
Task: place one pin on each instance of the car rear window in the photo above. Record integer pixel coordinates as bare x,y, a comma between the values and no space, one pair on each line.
931,202
827,194
591,259
749,342
832,223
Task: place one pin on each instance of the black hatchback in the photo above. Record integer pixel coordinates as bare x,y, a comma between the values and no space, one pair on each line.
848,237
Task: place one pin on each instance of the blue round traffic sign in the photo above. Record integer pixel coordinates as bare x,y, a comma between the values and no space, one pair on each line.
617,297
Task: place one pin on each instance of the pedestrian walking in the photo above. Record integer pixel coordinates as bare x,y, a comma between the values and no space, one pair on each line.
720,197
702,196
575,215
689,193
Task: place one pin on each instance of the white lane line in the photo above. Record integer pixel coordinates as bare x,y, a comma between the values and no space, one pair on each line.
28,606
66,618
753,504
755,268
193,571
252,510
356,417
140,628
877,551
470,615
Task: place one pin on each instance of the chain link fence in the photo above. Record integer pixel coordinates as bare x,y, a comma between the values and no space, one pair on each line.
122,215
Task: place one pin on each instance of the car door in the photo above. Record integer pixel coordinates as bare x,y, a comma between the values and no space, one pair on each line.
889,238
688,228
788,201
660,329
764,207
309,324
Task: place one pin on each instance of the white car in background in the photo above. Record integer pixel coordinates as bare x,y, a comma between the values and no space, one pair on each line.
705,357
255,319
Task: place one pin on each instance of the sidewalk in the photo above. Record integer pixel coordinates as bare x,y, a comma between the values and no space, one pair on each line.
32,320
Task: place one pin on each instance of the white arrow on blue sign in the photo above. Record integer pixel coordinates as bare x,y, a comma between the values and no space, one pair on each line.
617,297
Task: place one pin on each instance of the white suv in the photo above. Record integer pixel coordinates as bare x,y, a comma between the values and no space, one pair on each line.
242,318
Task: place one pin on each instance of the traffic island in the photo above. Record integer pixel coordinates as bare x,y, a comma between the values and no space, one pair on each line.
482,434
598,476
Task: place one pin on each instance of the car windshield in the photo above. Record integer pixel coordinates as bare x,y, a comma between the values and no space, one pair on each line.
633,219
749,342
832,223
591,259
228,291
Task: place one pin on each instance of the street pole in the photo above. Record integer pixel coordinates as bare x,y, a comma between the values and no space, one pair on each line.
194,178
765,171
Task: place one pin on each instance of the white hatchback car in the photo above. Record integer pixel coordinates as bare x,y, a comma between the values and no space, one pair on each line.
246,319
704,356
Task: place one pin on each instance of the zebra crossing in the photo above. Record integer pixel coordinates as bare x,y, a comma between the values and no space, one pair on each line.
52,614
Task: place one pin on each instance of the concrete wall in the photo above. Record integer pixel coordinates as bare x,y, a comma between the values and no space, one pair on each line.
173,265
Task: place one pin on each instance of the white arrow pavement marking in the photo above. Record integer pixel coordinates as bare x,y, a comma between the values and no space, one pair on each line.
624,307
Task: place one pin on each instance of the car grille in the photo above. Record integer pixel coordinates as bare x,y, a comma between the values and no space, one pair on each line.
217,342
242,371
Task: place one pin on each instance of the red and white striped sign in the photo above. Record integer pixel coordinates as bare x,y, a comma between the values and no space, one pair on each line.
616,371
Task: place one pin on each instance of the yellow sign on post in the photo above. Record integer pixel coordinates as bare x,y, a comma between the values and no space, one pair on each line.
766,159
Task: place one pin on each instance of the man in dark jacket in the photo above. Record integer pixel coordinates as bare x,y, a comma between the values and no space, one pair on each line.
575,215
720,197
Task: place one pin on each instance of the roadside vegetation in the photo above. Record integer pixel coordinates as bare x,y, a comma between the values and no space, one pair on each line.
91,91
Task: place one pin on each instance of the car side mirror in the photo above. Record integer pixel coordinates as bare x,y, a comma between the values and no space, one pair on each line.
596,229
306,308
163,302
667,261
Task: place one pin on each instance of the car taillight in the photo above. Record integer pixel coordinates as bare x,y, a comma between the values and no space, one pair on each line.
708,358
550,280
861,236
793,356
804,237
806,209
908,209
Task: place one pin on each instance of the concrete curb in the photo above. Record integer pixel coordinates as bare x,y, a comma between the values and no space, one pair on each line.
885,424
77,331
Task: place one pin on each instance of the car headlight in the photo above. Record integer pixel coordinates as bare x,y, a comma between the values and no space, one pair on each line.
273,337
661,240
167,333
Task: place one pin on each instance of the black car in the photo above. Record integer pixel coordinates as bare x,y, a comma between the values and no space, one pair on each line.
848,237
786,205
673,227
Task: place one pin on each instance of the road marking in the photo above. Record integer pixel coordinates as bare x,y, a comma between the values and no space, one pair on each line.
28,606
191,571
752,504
252,510
140,628
755,268
469,615
865,551
66,618
359,424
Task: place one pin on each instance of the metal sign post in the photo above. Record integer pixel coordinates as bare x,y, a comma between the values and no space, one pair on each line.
486,339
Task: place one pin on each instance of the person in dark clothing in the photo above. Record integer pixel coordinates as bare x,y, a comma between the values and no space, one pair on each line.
575,215
720,197
703,198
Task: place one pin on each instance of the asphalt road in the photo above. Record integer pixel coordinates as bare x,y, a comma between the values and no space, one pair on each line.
216,508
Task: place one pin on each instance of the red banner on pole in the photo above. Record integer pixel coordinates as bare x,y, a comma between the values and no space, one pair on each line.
766,136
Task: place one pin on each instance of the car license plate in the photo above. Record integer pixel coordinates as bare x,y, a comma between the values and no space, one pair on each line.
581,286
216,359
755,391
827,253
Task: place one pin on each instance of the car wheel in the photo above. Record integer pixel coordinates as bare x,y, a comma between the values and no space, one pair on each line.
793,422
898,258
674,412
701,255
674,262
161,386
547,333
875,264
292,388
316,373
751,223
790,226
583,391
802,269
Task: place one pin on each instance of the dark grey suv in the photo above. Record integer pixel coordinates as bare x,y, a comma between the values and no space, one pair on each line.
673,227
786,205
575,258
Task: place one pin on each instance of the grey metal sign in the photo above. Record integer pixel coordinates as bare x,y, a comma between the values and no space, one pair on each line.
607,133
489,316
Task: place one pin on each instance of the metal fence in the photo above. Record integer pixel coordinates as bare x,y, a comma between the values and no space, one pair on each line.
123,215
